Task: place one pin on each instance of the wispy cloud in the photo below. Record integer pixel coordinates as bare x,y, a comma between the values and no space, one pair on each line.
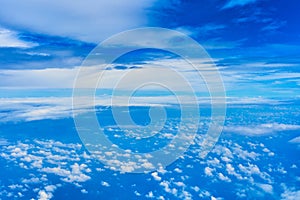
234,3
37,108
261,129
10,38
274,26
206,29
219,44
44,78
65,78
295,140
271,77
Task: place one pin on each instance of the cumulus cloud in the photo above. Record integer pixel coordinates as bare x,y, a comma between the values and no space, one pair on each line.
208,171
155,176
90,20
44,195
105,184
240,172
39,160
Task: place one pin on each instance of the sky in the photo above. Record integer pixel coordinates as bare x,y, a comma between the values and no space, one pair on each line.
255,44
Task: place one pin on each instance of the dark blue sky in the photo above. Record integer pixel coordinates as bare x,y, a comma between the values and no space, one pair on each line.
256,23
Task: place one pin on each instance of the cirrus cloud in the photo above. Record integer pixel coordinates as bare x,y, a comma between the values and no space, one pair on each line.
10,38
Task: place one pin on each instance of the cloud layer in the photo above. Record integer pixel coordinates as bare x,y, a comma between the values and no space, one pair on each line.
90,21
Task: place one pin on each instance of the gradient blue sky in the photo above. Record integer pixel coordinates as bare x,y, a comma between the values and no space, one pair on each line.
255,44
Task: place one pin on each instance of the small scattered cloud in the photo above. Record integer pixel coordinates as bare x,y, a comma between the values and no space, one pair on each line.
42,195
66,161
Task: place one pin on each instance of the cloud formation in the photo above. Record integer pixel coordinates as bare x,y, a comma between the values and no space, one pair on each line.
90,21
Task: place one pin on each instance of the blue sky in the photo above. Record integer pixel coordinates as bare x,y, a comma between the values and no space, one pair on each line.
255,44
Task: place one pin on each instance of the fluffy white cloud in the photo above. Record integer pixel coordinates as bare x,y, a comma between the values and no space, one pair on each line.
44,195
105,184
223,178
155,176
89,20
59,155
208,171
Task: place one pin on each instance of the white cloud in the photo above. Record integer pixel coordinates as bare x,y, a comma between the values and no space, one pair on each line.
84,191
208,171
10,38
295,140
72,176
233,78
290,194
251,100
266,188
89,20
44,195
150,195
261,129
44,78
75,172
30,109
223,178
32,180
172,72
105,184
155,176
230,169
